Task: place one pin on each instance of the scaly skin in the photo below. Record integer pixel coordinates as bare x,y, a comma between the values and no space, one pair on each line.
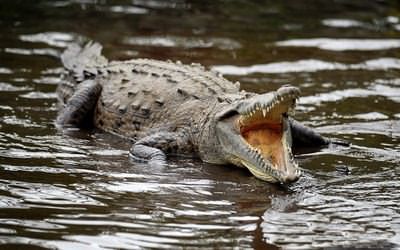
168,107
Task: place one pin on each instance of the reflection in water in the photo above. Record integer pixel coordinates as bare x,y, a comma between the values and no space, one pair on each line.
56,39
128,10
321,221
184,42
342,23
375,90
29,52
77,189
343,44
309,65
5,87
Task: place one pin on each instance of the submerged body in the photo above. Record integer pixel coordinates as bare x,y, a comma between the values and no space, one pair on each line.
167,107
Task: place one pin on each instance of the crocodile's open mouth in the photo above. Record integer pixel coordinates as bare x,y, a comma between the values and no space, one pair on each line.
255,133
265,129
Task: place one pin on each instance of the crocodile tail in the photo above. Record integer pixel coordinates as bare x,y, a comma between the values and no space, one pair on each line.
81,63
78,59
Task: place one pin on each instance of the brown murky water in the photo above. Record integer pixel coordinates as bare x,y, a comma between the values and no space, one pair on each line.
79,190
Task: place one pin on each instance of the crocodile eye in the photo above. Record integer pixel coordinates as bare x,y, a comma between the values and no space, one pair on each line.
228,114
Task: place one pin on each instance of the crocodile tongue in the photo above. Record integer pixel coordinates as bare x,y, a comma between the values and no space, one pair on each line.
266,138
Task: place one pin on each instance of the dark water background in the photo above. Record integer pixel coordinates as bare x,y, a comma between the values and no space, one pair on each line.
79,190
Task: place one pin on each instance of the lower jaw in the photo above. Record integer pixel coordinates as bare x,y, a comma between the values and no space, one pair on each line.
259,174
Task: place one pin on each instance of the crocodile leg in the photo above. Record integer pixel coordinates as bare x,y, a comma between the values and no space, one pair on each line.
153,148
78,110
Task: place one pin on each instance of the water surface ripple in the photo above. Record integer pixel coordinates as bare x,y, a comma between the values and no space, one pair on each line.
77,189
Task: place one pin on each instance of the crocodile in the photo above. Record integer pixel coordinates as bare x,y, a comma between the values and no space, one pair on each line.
170,108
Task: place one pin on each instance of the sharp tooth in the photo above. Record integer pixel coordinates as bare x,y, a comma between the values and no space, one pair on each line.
264,112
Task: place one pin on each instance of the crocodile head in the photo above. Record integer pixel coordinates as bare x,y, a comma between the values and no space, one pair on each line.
255,133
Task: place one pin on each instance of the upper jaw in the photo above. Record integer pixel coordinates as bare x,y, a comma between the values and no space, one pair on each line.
284,96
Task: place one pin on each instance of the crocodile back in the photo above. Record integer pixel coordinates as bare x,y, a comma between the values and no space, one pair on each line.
142,95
